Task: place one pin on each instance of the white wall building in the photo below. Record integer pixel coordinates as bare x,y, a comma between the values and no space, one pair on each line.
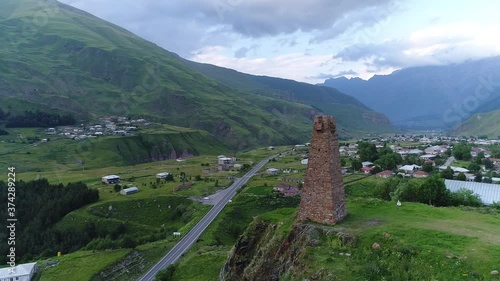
21,272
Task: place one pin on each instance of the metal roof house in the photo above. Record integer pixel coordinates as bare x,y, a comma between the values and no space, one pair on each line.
163,175
21,272
111,179
488,193
128,191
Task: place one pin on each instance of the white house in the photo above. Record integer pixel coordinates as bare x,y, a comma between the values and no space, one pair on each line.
111,179
21,272
272,171
304,161
162,175
128,191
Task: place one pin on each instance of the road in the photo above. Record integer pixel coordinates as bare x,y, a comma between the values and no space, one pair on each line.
449,162
190,238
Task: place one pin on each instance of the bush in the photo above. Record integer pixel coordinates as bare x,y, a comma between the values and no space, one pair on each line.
465,197
166,274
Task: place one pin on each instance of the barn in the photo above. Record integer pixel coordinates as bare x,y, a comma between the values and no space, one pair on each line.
128,191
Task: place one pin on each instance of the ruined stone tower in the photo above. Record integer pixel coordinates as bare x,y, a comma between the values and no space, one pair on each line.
322,197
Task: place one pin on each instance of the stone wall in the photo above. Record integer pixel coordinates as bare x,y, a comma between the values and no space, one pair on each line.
322,198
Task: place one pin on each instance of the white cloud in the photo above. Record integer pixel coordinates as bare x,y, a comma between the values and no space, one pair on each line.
294,66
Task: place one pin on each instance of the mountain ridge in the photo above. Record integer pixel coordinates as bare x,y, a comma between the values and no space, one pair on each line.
441,96
78,63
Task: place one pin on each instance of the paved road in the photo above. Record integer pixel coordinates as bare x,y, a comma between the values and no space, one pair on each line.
449,161
188,240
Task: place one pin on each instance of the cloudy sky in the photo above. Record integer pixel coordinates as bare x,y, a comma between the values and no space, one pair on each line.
312,40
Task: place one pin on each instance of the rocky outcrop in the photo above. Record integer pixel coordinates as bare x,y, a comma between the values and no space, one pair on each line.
267,253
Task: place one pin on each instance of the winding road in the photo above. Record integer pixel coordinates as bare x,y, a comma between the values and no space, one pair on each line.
190,238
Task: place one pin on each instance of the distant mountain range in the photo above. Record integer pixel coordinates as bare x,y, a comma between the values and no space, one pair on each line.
75,62
429,97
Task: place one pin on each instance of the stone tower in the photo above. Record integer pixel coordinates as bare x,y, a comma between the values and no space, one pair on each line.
322,198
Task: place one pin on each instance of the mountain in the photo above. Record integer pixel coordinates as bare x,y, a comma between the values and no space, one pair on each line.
58,58
481,124
351,113
430,96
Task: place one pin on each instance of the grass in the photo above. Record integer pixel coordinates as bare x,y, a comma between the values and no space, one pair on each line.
433,243
82,265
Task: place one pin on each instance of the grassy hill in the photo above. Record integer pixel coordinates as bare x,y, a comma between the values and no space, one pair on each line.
351,113
61,154
480,124
72,61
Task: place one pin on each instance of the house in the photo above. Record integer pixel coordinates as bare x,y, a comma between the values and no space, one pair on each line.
111,179
287,190
488,193
420,174
367,164
304,161
455,169
385,174
162,175
225,163
128,191
436,150
367,170
428,157
410,169
21,272
272,171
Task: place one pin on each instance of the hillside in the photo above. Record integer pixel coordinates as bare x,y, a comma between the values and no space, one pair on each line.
480,124
350,112
59,154
415,242
430,96
81,64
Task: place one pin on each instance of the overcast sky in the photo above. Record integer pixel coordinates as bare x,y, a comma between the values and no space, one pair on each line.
312,40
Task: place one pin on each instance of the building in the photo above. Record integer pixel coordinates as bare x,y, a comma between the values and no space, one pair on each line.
487,192
21,272
128,191
111,179
225,163
322,197
367,170
304,161
162,175
287,190
420,174
385,174
272,171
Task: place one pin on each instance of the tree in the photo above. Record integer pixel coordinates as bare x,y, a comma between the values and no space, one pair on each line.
166,274
488,164
433,192
479,177
461,151
376,170
487,180
427,167
367,151
117,187
447,174
461,177
356,165
169,177
474,167
389,161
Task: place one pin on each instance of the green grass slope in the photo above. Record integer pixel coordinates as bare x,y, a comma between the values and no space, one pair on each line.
71,61
481,124
350,112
